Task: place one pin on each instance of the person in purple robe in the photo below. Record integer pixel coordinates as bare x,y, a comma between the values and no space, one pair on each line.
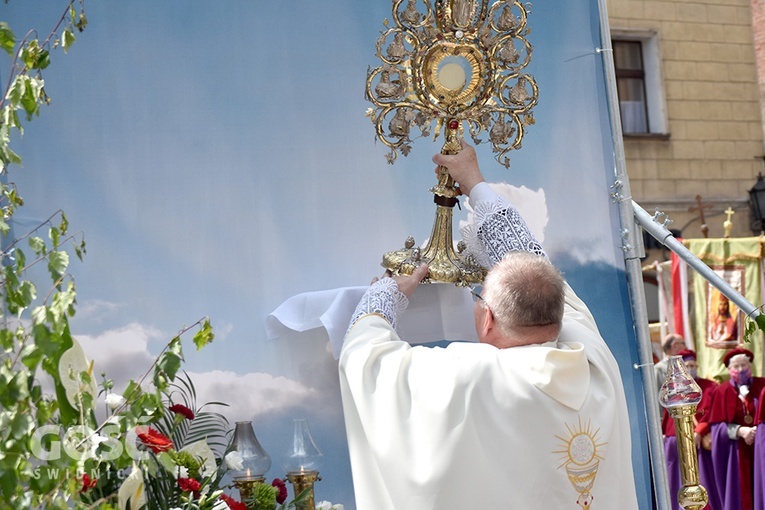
759,456
734,411
701,432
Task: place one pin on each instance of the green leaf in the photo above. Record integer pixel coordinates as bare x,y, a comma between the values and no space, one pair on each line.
82,21
29,53
58,261
760,320
204,336
22,425
67,39
13,96
169,362
37,244
21,260
6,339
20,297
54,235
30,99
7,38
79,249
7,156
43,60
31,355
39,315
64,225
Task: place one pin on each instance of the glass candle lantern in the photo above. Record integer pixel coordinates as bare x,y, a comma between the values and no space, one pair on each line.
680,395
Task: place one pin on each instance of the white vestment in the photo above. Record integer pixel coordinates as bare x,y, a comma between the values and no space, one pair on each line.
471,426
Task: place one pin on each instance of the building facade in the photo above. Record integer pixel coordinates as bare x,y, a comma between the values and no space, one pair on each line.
690,99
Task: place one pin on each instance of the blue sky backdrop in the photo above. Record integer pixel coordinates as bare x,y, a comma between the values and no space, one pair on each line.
217,157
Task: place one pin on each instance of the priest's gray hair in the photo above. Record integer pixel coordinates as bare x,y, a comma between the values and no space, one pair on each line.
524,289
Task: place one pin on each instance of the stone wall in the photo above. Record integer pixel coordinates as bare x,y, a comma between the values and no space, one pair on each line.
714,146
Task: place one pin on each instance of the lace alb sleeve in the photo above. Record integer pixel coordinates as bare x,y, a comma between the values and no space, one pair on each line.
497,229
381,298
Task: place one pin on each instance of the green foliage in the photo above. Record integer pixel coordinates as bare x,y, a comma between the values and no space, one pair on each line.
26,90
7,38
754,325
264,498
204,336
55,454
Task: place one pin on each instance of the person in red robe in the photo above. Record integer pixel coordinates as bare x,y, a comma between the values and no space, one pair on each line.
701,433
734,407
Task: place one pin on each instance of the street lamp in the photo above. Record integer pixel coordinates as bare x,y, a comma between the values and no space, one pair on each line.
757,204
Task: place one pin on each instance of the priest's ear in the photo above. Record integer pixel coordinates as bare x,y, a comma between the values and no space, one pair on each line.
485,323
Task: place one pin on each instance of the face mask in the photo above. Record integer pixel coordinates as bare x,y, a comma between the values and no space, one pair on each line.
693,372
741,377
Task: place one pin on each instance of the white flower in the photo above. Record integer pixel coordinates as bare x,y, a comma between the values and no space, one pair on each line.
132,489
93,442
114,400
234,461
202,452
220,505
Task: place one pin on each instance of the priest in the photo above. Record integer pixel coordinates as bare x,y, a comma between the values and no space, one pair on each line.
532,416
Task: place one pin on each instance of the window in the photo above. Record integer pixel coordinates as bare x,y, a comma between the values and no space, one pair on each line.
630,84
637,63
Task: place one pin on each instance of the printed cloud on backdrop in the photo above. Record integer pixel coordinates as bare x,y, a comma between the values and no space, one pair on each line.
123,354
530,204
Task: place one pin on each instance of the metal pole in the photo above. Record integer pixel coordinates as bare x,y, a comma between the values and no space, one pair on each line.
665,237
632,247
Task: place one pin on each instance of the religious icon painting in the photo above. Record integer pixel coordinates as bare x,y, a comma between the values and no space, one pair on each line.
723,317
581,455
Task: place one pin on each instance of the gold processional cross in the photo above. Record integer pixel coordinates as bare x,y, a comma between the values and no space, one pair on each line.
445,65
728,224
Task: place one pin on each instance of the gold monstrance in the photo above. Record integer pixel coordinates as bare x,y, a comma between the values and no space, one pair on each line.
455,62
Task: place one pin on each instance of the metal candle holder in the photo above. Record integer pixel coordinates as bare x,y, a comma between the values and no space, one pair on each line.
693,496
246,486
681,395
301,481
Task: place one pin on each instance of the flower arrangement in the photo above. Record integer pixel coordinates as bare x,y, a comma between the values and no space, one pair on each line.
156,448
169,459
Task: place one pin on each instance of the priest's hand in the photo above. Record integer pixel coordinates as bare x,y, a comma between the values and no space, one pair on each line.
407,284
747,434
463,167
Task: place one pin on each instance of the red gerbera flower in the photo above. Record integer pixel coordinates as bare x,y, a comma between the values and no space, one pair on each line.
154,440
232,503
281,497
87,483
189,484
182,410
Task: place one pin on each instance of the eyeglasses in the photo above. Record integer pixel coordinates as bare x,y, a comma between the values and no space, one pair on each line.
476,292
